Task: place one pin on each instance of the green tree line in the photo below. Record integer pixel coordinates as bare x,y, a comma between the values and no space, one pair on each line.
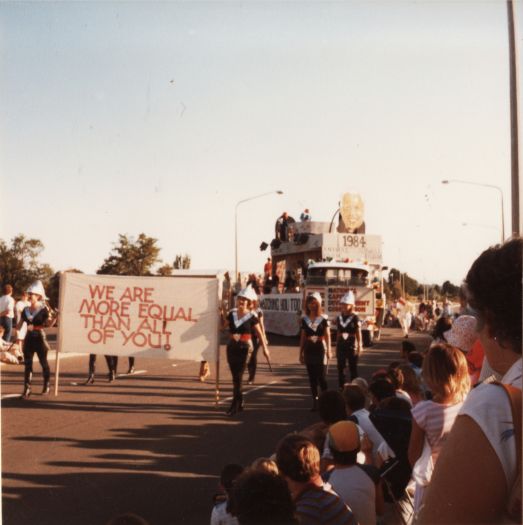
20,264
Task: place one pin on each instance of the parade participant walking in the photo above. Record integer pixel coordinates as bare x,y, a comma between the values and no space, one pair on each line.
242,322
315,345
404,316
348,339
253,360
36,316
112,363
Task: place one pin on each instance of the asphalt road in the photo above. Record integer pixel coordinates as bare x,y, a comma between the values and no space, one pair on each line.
152,443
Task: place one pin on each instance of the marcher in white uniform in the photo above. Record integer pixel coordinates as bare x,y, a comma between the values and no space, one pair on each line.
404,315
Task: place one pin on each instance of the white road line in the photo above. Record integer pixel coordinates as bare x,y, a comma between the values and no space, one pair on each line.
248,391
11,396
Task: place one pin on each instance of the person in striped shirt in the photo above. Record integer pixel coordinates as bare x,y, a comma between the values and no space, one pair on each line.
298,461
445,372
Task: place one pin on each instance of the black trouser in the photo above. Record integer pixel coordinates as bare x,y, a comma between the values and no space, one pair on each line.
131,362
314,354
344,353
36,343
253,360
237,358
112,363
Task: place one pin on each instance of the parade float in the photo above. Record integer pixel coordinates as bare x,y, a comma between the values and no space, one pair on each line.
326,257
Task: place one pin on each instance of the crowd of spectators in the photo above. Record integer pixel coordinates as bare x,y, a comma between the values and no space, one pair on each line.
398,449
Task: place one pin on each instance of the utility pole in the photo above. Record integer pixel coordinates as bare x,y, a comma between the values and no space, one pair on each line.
514,143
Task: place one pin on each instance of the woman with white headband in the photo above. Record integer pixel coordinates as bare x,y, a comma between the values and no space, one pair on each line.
348,339
242,322
36,315
315,345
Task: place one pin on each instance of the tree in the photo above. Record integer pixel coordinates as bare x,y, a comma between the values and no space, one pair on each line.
449,289
130,257
19,264
165,270
182,262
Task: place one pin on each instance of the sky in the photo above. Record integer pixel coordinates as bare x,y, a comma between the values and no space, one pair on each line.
130,117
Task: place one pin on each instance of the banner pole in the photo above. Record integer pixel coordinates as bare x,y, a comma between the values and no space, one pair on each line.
59,337
217,362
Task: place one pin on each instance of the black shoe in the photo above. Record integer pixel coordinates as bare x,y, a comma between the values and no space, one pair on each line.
232,409
131,370
241,406
27,391
46,388
90,380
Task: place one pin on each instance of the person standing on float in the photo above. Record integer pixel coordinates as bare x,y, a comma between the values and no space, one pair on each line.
36,316
242,322
348,339
315,345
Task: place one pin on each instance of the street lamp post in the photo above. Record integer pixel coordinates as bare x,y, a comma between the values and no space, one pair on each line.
485,186
278,192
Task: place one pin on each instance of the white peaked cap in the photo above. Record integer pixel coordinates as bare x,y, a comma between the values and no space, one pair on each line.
348,298
38,288
315,295
248,293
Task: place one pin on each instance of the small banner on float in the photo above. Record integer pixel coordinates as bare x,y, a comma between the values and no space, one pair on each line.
153,317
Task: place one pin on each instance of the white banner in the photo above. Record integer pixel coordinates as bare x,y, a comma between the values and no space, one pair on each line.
158,317
281,313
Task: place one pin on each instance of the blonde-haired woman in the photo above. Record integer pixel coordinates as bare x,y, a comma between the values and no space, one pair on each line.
242,322
445,373
36,316
315,345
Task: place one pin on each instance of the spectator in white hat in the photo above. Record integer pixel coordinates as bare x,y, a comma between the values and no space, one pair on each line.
315,345
348,339
463,335
242,322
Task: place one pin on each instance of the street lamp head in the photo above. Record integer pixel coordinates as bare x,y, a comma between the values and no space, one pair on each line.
444,182
279,192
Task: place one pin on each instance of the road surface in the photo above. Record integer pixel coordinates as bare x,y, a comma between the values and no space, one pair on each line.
152,443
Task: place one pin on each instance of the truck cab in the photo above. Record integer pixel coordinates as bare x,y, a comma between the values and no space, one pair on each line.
333,279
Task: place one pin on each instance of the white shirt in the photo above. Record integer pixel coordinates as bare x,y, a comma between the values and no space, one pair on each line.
489,406
19,308
368,427
7,303
220,516
357,490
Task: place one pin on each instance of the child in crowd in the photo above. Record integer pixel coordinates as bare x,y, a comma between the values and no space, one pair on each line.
221,513
357,485
411,384
265,465
443,324
395,376
445,373
362,383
